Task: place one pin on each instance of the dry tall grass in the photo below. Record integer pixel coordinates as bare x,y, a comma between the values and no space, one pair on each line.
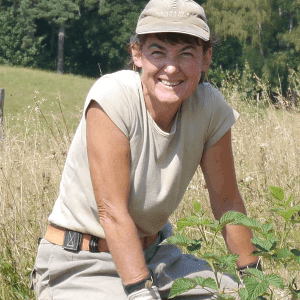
266,145
32,158
265,141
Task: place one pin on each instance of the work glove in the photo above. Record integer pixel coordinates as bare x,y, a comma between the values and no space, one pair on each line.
145,294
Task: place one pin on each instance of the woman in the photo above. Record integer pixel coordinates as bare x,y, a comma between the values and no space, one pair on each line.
141,138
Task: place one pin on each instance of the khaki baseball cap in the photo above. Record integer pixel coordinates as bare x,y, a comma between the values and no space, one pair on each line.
181,16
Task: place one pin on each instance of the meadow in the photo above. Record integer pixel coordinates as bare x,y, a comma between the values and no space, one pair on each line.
42,111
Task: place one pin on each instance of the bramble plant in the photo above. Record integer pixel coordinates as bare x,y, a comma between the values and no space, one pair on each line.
274,249
265,142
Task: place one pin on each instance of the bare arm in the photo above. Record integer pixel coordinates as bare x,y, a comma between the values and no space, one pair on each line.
109,159
218,169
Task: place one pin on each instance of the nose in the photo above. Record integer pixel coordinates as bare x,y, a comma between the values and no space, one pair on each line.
172,65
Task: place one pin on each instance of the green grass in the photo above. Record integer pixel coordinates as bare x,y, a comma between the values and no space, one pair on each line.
22,86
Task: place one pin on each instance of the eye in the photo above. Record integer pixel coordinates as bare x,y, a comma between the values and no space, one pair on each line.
187,54
157,53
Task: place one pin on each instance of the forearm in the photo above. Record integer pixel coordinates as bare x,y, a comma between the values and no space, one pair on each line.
126,249
218,169
238,240
221,204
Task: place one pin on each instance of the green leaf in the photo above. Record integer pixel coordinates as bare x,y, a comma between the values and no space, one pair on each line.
289,200
211,256
277,192
243,293
180,286
195,245
267,227
199,280
229,217
182,223
239,219
264,245
296,253
256,273
250,223
204,222
282,253
293,221
191,221
210,283
214,225
287,214
228,261
197,221
275,280
197,206
206,282
180,240
254,287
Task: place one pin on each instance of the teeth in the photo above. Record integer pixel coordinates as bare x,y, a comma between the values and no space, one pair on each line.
170,83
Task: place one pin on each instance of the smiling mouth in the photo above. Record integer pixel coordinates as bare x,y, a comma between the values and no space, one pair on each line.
169,83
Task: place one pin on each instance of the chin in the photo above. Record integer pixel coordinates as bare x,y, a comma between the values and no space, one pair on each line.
170,99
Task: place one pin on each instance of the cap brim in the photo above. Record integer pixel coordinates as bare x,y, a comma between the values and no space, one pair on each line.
174,27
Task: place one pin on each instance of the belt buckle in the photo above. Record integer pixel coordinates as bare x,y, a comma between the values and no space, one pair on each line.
72,240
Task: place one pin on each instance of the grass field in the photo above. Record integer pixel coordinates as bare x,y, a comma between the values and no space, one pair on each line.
22,86
265,141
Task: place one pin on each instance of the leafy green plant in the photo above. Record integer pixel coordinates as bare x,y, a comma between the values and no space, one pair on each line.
13,280
275,249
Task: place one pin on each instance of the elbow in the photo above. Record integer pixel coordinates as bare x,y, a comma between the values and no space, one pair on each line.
224,204
111,216
107,214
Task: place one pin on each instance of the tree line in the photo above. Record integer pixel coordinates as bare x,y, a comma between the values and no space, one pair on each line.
90,37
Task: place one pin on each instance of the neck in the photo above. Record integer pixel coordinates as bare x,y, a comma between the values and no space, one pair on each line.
163,114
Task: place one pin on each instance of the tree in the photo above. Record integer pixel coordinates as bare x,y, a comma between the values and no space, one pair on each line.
266,31
109,32
58,12
18,45
290,11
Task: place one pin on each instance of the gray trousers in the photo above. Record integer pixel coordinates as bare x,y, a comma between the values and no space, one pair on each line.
60,274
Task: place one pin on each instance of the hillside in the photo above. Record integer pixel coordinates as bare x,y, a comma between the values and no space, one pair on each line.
21,86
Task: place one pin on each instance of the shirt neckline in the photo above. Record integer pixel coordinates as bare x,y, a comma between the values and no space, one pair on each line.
156,127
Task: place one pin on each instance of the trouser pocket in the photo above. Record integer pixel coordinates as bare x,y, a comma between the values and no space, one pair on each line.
41,291
32,279
39,277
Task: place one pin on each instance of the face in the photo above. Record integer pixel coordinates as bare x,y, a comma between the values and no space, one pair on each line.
170,73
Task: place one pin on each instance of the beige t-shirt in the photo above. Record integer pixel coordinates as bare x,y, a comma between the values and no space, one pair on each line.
162,164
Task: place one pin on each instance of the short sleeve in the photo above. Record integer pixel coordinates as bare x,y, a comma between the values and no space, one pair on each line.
222,116
113,98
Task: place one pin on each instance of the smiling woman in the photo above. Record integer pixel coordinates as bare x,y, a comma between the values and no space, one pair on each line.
141,138
170,73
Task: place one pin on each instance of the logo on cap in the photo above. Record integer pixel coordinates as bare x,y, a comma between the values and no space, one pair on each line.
173,4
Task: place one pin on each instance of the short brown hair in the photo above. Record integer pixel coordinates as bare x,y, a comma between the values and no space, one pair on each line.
177,38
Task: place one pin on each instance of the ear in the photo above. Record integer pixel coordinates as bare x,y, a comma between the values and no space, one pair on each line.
207,59
136,55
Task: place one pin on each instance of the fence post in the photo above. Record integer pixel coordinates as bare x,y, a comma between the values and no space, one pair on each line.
2,92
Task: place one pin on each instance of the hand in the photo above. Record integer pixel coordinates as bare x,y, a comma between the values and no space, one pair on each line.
145,294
